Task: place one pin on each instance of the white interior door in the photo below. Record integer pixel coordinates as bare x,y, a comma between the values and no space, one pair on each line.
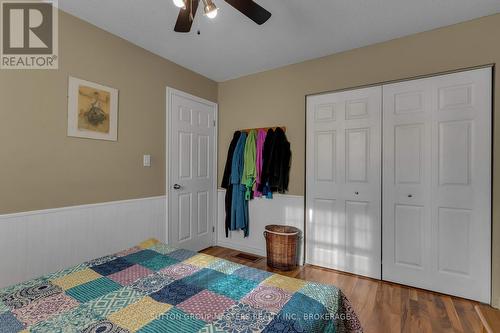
192,170
343,228
437,183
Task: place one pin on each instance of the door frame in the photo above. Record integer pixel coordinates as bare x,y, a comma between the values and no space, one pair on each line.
168,139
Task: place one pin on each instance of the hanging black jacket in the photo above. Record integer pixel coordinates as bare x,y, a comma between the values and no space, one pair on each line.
266,159
225,180
276,165
280,163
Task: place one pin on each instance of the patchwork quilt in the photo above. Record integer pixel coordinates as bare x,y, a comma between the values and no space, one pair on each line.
157,288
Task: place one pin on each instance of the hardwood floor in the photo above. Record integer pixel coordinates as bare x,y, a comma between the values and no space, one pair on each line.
382,306
489,317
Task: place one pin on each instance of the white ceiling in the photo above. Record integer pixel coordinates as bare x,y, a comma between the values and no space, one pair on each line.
231,45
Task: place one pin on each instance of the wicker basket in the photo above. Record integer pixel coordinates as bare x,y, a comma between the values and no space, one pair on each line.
281,244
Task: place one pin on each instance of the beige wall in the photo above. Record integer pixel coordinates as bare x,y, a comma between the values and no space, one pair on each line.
277,97
43,168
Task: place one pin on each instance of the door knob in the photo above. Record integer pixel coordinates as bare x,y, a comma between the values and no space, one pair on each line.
356,192
177,187
410,195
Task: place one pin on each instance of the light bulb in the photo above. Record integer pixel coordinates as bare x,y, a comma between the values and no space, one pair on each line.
210,9
212,14
180,3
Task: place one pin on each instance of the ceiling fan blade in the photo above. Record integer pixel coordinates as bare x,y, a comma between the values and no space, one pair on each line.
185,20
251,9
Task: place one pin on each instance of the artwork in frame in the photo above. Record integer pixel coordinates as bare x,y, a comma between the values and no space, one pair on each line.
92,110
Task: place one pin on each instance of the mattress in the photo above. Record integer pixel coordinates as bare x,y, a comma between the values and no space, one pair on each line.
154,287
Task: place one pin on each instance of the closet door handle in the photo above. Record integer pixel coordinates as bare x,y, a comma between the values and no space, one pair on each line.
410,195
177,187
357,193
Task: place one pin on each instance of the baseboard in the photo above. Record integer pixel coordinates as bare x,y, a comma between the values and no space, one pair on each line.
496,304
242,248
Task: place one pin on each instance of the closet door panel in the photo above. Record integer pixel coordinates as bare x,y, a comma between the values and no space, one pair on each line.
409,235
327,224
357,154
343,181
437,157
325,156
408,154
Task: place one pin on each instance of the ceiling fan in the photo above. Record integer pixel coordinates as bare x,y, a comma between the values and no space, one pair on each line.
188,10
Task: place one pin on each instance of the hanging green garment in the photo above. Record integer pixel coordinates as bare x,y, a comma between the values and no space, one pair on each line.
249,170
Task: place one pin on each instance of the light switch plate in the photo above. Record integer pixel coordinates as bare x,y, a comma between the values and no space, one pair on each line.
146,160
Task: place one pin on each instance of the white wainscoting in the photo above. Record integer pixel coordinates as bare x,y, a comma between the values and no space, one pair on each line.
282,209
39,242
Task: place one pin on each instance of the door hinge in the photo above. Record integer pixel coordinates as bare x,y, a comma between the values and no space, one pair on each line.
213,229
215,123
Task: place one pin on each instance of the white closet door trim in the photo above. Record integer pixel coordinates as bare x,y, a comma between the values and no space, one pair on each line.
437,140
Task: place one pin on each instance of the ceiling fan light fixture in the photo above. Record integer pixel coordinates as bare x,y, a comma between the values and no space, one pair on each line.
210,9
180,3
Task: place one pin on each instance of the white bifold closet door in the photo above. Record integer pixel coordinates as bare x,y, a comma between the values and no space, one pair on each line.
344,181
437,183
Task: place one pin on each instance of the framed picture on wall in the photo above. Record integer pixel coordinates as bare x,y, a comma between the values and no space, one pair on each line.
92,110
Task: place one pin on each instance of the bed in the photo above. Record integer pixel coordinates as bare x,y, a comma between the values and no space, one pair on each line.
154,287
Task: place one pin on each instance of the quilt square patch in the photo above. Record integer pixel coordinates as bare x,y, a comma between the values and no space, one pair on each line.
309,313
284,282
282,325
206,305
242,318
270,298
104,326
151,283
73,321
176,292
126,252
251,273
93,289
224,266
114,301
162,248
113,266
77,278
141,256
100,261
179,271
12,289
210,328
326,295
138,314
204,278
66,271
200,260
148,243
25,296
159,262
174,321
130,275
3,307
182,255
45,308
233,287
9,323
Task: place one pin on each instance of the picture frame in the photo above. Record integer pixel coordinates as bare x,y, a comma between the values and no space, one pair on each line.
92,110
